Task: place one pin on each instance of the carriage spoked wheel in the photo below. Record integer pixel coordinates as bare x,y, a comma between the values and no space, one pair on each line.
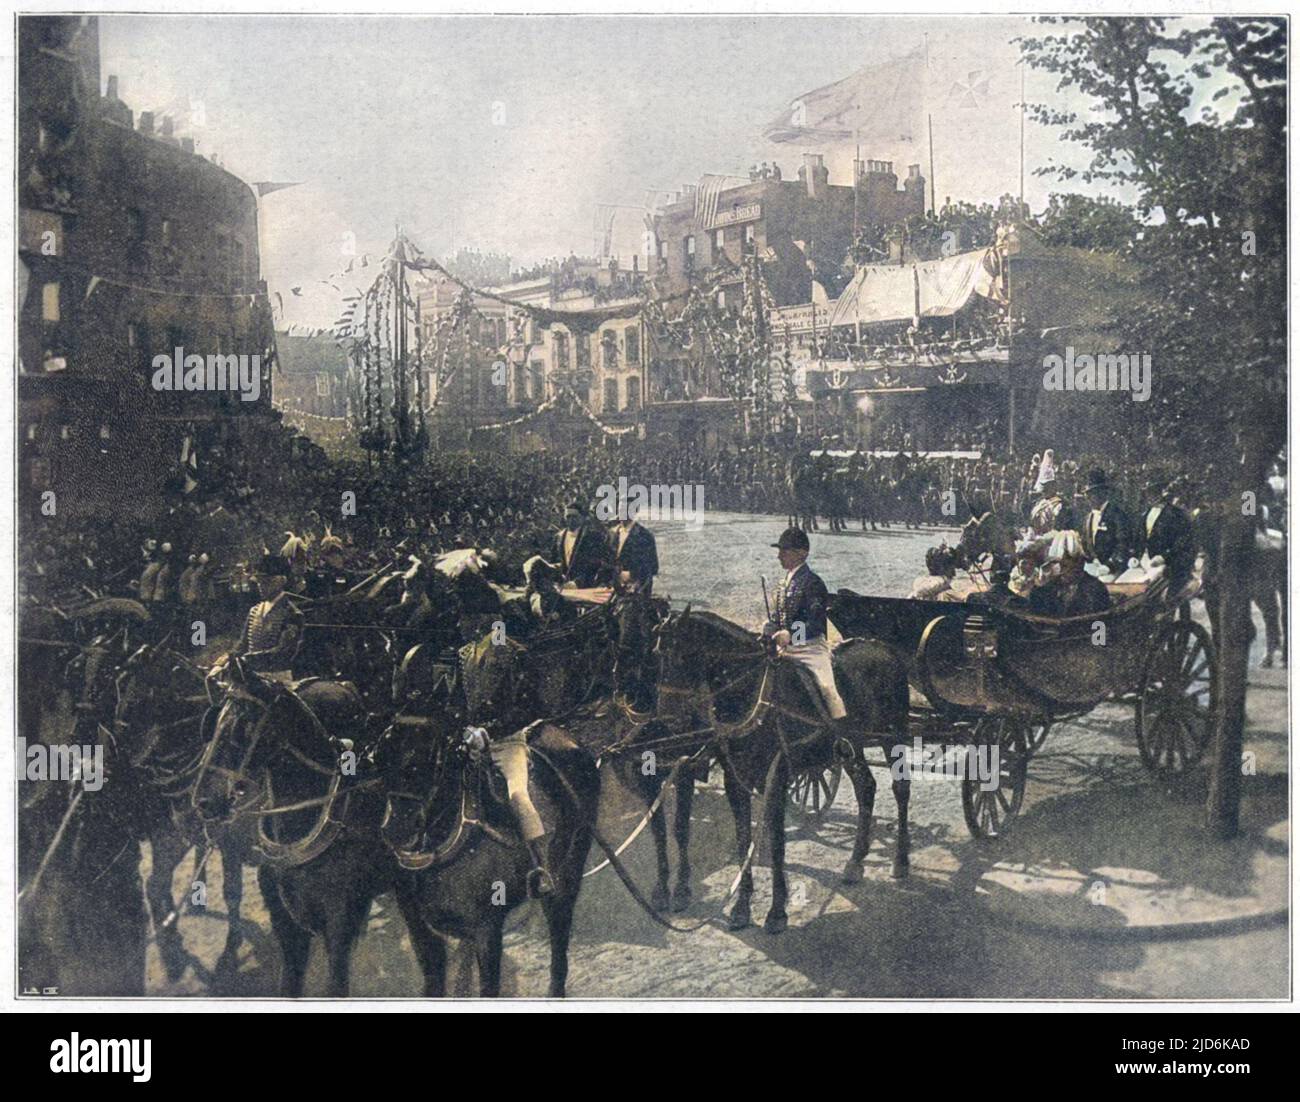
812,791
1177,697
989,811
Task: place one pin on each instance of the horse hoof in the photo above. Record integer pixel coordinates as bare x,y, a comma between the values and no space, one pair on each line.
739,919
852,873
681,897
776,923
901,869
659,898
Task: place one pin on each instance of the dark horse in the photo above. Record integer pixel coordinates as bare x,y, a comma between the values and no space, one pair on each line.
468,863
769,723
161,739
280,779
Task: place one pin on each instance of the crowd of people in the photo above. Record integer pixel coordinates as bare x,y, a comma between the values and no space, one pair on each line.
515,503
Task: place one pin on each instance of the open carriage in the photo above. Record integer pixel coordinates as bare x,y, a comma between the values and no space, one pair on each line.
984,675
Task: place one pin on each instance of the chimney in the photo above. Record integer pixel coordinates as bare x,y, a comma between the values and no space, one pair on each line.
816,175
112,87
146,123
187,144
914,186
857,170
167,126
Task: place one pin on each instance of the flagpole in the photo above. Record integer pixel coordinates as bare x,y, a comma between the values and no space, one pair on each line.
1022,136
934,206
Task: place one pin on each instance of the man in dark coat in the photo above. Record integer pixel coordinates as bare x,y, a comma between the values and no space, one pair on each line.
582,551
636,562
1167,532
635,555
1107,532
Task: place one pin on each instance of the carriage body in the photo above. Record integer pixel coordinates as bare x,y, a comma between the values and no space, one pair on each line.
981,672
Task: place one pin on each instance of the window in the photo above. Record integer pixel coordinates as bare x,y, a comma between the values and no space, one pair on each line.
609,350
50,303
583,345
521,383
561,341
688,253
633,391
237,262
749,239
722,300
611,396
632,344
136,228
166,231
322,385
719,239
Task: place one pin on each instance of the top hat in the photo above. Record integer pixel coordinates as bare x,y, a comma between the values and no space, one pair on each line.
1096,481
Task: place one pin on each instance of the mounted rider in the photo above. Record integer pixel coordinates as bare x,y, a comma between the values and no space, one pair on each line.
798,623
273,629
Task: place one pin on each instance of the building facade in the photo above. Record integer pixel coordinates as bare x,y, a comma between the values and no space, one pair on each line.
130,246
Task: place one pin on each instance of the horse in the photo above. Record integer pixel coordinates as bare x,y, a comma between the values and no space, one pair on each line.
804,487
769,723
469,868
279,780
82,930
463,834
161,734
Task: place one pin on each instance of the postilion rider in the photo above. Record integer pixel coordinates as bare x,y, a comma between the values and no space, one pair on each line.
798,623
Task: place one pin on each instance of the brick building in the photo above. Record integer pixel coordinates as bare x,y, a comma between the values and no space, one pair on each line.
130,245
791,224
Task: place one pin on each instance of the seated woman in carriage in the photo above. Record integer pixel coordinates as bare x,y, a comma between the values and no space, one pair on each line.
1050,576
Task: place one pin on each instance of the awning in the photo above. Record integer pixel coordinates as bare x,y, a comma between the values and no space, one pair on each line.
888,292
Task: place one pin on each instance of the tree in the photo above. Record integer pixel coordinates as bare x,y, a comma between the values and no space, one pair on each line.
1190,118
1084,222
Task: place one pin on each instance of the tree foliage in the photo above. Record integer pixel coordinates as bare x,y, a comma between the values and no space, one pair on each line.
1189,117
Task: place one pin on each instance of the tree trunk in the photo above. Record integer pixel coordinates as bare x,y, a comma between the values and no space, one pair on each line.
1236,559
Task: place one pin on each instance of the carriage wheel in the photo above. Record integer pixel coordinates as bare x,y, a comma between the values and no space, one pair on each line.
812,791
1177,698
989,811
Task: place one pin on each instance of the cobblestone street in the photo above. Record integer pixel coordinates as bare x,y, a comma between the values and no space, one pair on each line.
1021,917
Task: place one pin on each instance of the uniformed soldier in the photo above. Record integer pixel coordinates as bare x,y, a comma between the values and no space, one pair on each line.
273,629
798,623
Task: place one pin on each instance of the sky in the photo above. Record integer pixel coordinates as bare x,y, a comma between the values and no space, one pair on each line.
504,133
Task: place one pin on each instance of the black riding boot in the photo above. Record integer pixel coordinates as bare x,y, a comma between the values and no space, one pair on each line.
540,881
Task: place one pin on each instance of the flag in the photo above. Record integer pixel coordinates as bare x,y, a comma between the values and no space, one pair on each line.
265,187
879,106
706,199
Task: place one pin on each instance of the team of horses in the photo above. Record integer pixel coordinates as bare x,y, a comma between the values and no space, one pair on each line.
375,777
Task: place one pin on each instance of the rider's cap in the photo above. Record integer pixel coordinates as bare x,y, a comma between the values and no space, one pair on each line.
792,539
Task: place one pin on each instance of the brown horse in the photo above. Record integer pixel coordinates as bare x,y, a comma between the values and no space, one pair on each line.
769,724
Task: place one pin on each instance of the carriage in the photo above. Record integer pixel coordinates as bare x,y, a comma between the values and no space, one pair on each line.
983,675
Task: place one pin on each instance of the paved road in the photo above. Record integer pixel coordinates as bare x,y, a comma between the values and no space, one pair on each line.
1089,807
